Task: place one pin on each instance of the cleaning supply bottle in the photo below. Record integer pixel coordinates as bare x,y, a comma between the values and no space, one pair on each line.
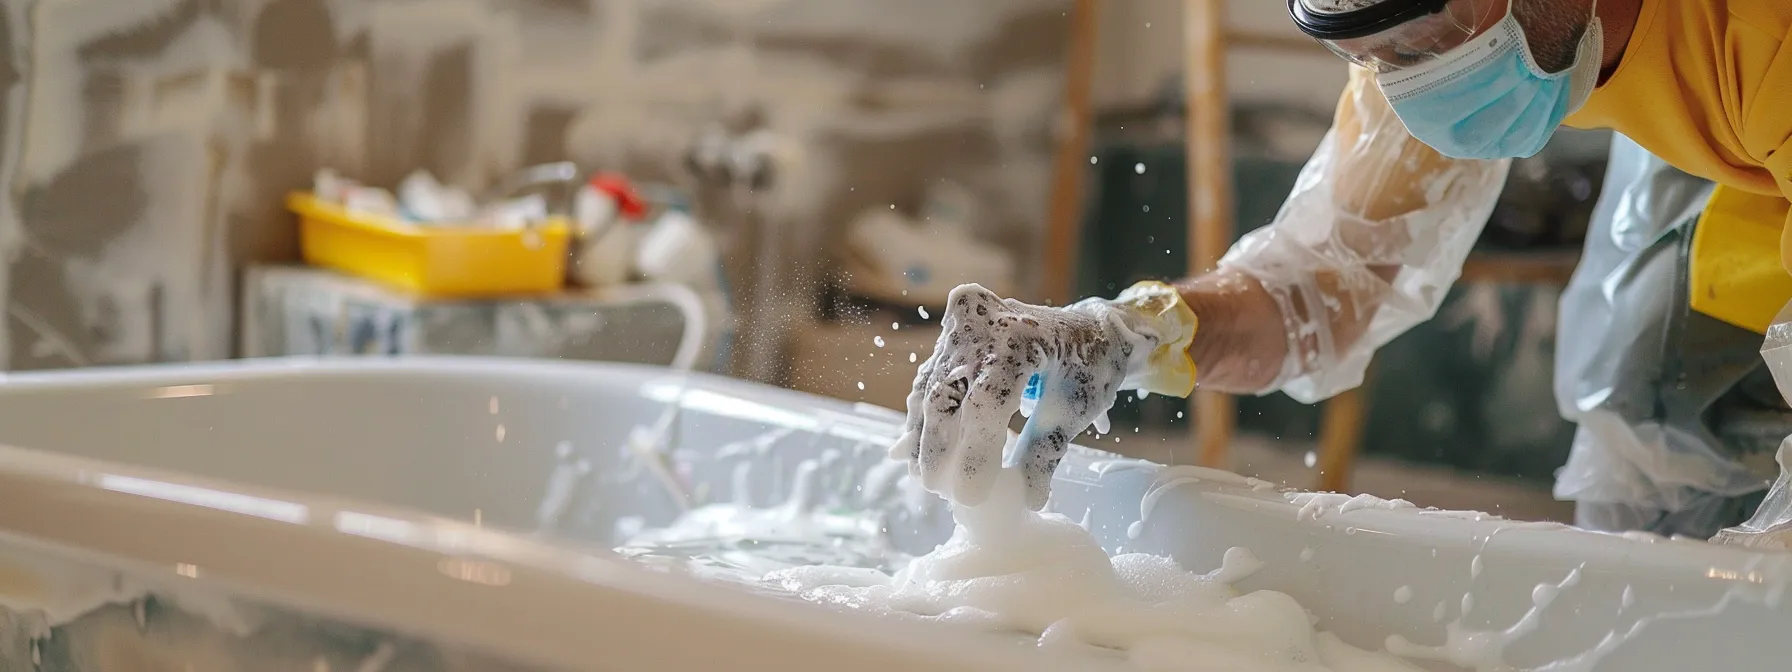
604,242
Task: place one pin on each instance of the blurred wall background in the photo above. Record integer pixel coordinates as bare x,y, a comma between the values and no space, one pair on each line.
146,145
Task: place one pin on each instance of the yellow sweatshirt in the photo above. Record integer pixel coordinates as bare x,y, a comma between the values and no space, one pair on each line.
1707,86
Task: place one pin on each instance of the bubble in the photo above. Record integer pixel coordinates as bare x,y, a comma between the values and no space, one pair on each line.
878,341
862,388
1179,415
911,358
1138,168
895,325
1092,160
1311,459
923,311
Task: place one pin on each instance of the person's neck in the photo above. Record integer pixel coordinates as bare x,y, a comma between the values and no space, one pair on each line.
1617,20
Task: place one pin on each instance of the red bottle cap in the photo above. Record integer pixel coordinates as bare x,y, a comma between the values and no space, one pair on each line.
628,201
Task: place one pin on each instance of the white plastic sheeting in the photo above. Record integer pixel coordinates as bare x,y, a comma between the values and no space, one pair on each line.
1367,245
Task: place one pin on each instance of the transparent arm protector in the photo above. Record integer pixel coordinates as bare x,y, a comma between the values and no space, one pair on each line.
1367,244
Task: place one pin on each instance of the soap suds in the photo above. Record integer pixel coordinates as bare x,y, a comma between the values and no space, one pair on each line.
1008,569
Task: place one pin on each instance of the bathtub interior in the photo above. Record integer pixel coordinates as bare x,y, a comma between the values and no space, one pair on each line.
566,451
556,450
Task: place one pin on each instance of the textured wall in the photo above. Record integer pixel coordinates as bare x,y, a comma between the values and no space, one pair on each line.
147,143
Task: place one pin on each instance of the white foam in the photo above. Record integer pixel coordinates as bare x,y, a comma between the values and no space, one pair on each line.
1008,569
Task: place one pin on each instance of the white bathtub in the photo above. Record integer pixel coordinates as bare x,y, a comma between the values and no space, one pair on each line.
430,514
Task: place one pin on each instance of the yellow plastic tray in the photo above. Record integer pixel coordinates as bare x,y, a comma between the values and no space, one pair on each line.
437,262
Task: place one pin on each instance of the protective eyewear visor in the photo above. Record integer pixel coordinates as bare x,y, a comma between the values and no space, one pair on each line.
1393,35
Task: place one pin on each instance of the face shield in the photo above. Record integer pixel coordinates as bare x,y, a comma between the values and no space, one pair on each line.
1390,35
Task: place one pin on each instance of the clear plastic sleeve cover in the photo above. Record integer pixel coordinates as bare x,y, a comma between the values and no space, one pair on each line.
1771,526
1367,245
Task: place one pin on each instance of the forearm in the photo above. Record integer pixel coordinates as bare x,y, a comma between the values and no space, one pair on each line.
1244,338
1367,244
1234,353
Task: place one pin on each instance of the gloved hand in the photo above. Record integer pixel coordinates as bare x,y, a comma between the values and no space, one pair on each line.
1074,361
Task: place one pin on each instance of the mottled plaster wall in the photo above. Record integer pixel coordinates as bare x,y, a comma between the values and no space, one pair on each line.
147,143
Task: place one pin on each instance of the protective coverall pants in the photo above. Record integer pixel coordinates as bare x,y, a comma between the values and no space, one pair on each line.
1678,418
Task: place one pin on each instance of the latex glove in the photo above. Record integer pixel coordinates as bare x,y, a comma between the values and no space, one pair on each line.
1077,359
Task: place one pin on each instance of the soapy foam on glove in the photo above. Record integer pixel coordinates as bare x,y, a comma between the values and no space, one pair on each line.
991,350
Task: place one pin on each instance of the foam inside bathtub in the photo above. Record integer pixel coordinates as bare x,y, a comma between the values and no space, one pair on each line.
569,460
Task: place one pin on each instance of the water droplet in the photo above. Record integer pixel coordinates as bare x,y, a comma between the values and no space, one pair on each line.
911,358
1179,414
1147,24
895,325
1147,208
1138,168
1311,459
861,385
500,433
1091,160
923,311
878,341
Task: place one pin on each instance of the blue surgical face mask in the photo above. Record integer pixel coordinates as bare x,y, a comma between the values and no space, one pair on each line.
1487,99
